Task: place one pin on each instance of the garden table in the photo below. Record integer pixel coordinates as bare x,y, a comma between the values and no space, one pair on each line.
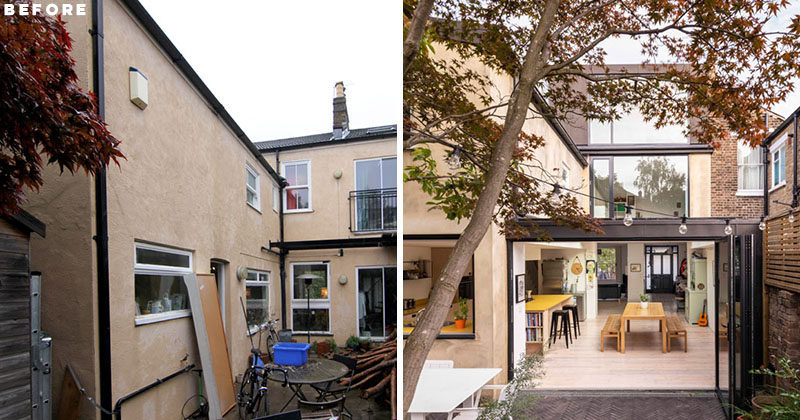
314,371
634,311
441,390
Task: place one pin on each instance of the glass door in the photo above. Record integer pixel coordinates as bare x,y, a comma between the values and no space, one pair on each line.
744,328
377,301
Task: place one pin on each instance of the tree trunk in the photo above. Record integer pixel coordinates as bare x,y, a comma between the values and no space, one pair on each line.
421,339
418,23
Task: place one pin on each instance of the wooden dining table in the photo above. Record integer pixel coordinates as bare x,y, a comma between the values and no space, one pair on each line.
634,311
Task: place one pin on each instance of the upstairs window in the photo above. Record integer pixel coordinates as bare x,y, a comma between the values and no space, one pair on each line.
633,129
253,191
778,153
751,170
297,193
375,195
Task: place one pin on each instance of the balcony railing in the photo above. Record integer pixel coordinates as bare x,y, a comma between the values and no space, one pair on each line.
373,210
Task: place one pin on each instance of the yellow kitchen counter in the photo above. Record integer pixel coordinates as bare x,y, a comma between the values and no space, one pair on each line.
541,303
450,329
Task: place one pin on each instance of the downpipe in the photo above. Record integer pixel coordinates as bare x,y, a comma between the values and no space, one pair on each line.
118,405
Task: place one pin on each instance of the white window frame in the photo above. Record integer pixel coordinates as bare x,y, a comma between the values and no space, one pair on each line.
257,191
355,186
260,283
275,198
749,192
565,175
358,315
292,187
776,148
314,303
161,270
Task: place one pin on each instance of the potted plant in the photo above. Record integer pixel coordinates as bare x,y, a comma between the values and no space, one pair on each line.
460,313
323,347
785,402
365,344
353,342
644,298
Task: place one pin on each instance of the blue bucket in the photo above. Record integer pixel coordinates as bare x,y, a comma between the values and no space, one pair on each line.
290,354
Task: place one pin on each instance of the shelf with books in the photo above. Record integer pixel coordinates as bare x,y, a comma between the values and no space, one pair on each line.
534,332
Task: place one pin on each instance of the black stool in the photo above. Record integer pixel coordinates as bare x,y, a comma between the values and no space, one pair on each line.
561,316
575,321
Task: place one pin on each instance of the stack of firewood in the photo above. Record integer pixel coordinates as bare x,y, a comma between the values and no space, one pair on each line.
376,371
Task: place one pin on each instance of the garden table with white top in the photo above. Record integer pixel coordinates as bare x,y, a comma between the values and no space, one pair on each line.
442,390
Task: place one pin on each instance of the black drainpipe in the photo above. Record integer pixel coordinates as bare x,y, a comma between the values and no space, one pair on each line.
101,218
282,260
510,288
118,405
765,153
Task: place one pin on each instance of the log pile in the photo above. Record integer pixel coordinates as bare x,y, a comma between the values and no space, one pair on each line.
376,371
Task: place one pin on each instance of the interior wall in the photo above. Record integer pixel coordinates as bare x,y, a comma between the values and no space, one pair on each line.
419,288
518,264
635,255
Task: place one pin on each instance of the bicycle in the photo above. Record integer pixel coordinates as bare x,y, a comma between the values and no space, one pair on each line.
272,337
253,396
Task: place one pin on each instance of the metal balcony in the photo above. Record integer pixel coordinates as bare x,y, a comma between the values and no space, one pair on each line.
373,210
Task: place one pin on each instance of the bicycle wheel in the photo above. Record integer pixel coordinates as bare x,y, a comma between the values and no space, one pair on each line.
250,397
271,340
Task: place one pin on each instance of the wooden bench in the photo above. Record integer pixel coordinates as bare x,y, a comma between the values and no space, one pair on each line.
675,328
611,329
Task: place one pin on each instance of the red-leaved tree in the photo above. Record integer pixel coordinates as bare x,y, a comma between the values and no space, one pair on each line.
44,114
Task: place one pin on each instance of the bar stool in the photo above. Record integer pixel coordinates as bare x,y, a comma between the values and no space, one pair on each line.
576,326
561,316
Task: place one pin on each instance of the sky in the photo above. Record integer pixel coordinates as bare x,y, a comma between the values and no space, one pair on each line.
273,65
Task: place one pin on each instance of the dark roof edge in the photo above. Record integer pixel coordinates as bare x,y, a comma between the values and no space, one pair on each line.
636,149
264,148
788,121
555,124
172,52
27,221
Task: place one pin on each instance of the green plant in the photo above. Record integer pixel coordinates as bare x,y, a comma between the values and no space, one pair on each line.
314,346
353,341
332,343
518,402
463,309
787,390
644,297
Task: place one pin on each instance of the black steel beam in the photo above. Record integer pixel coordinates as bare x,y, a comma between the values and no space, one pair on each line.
369,242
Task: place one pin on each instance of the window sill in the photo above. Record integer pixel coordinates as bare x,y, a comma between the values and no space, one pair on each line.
318,333
298,211
781,185
255,330
160,317
459,336
749,193
374,232
254,208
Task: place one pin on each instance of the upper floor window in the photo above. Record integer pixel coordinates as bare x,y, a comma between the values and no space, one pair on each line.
633,129
159,290
253,190
297,193
778,153
751,170
653,186
375,197
275,198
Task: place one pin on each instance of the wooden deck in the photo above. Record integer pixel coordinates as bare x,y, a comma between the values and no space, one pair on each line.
642,367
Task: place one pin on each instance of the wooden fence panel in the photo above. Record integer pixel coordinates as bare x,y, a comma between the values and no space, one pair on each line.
782,253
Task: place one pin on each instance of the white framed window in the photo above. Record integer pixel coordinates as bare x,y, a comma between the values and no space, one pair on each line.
297,193
565,175
311,302
376,194
256,290
633,129
275,198
159,290
750,170
778,163
253,190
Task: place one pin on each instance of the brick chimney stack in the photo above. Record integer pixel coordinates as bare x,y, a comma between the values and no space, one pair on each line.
340,119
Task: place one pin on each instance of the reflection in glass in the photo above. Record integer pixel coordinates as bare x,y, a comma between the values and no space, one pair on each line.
602,192
633,129
655,183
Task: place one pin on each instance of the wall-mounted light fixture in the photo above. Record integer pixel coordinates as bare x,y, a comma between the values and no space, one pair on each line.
138,84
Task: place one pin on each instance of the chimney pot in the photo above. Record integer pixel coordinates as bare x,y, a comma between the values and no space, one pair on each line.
341,121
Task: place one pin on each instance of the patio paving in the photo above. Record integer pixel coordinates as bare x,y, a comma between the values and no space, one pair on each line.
642,367
623,406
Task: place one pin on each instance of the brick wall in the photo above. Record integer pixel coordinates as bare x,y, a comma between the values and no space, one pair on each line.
783,194
784,324
725,184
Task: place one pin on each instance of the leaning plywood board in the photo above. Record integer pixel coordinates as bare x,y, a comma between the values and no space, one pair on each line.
211,343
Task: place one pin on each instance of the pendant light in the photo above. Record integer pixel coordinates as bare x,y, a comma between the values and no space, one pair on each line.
628,220
682,229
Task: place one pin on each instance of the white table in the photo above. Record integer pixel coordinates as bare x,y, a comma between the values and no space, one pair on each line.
442,390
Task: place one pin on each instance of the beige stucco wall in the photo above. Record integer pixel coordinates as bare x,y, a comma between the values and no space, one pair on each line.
182,185
700,185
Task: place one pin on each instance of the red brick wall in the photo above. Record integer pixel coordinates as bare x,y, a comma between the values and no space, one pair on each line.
784,325
725,183
783,194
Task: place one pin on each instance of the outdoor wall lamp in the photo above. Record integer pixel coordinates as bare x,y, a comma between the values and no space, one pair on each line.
555,198
628,220
682,229
454,161
762,225
728,227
